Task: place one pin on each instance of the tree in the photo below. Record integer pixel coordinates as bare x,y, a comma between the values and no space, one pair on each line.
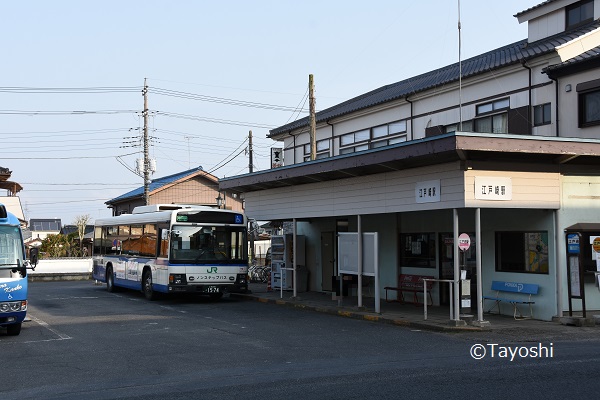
81,222
54,246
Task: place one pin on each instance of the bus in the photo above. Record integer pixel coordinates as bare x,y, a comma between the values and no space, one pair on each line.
13,273
169,248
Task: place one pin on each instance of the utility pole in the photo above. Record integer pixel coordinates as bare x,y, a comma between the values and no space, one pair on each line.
146,160
250,170
250,160
313,121
460,121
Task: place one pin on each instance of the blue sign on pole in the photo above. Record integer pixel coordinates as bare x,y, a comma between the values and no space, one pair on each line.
573,243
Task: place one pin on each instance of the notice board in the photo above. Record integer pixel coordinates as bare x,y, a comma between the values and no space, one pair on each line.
348,253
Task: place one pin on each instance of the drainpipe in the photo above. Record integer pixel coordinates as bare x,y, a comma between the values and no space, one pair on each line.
529,119
558,235
332,151
556,105
411,118
294,136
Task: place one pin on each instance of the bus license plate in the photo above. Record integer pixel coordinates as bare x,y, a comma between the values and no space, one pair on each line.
212,289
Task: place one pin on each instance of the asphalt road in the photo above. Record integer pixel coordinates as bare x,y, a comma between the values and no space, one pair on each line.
85,343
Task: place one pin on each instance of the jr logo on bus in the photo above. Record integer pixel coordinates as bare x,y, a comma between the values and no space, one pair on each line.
212,270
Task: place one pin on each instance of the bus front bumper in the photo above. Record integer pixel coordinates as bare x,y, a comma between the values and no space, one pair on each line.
182,286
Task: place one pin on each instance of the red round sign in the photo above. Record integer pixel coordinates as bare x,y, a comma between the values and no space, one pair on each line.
464,242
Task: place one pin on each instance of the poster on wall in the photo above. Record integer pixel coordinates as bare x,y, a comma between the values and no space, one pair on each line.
537,252
574,275
595,253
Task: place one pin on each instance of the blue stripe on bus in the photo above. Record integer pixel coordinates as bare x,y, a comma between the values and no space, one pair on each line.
128,284
138,285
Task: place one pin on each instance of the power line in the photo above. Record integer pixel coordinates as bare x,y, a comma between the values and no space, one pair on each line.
67,133
66,112
197,136
69,90
79,184
68,158
214,120
66,190
221,100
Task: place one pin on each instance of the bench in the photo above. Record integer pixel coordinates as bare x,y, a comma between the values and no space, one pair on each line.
503,288
412,284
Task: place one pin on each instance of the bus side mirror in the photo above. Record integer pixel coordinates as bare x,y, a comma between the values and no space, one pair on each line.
33,256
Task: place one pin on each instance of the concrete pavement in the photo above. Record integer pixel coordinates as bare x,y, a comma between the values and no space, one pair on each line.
409,315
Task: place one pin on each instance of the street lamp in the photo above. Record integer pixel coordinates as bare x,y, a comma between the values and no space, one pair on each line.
219,200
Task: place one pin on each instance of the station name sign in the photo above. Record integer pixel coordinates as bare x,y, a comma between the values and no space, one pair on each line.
493,188
428,191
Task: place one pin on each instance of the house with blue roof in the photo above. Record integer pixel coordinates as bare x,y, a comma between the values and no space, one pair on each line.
194,186
503,147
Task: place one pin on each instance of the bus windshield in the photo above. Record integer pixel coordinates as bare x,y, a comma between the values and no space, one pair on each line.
208,244
11,249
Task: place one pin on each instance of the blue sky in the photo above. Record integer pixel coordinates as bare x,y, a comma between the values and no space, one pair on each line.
250,51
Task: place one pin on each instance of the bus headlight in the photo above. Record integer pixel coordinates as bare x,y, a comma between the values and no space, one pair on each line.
177,279
14,306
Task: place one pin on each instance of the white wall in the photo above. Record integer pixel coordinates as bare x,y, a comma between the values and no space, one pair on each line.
547,25
569,106
373,194
62,266
520,220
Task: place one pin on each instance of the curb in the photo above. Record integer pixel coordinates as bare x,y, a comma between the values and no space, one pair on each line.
48,277
361,315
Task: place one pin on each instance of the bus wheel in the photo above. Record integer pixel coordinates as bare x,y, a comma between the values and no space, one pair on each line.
13,330
110,280
147,286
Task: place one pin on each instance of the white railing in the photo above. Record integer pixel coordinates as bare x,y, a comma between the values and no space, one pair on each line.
450,285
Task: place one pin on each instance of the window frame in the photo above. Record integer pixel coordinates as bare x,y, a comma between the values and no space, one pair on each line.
490,111
396,133
546,114
495,106
582,107
323,153
579,6
422,242
510,250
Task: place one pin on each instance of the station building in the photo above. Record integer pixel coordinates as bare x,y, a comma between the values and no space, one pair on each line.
509,153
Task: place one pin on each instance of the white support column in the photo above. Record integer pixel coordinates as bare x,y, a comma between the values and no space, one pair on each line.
295,247
478,245
360,260
478,267
456,254
377,294
558,238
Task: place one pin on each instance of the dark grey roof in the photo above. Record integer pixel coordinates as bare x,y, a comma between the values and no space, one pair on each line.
515,53
68,229
534,7
592,55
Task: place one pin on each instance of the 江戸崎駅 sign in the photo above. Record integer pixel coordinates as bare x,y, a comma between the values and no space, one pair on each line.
493,188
